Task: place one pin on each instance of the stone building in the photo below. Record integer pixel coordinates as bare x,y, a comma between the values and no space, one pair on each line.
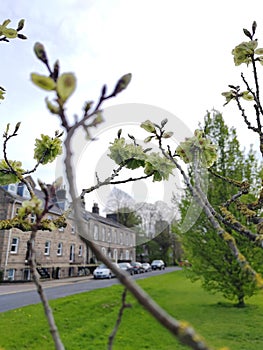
63,252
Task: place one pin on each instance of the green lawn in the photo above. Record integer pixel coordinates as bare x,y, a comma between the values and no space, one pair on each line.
85,320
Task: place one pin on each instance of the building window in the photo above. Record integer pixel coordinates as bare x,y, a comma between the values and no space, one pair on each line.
115,255
103,234
114,236
73,229
27,274
60,247
26,193
96,232
12,188
103,250
109,235
120,238
47,248
80,250
72,253
11,274
127,239
14,245
127,255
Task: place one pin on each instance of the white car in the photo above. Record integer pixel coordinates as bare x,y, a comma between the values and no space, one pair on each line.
102,271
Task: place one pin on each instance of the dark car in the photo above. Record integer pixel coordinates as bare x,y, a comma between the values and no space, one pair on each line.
137,267
158,265
126,267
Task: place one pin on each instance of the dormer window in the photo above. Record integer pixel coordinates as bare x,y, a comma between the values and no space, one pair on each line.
12,188
23,191
26,193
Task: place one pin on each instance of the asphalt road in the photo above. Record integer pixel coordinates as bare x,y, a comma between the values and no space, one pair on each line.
16,296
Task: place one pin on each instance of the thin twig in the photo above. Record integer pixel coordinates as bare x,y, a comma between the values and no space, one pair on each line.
124,306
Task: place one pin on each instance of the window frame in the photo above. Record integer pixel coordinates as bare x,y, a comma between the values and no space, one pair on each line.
15,251
96,232
11,277
72,252
47,248
60,249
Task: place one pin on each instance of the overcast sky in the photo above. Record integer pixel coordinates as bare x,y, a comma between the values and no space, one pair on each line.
179,53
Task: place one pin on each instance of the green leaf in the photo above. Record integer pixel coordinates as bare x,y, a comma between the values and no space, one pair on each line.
66,85
9,33
157,176
135,163
6,174
42,81
247,96
47,149
168,134
148,139
6,22
54,109
2,97
259,51
148,126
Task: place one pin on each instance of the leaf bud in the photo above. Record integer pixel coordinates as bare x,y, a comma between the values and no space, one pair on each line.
254,27
87,106
17,127
247,33
22,36
55,70
20,25
119,133
122,83
40,52
103,90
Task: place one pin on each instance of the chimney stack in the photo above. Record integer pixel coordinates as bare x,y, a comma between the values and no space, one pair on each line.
95,208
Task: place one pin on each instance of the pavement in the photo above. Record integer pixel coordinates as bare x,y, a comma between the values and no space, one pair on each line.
11,288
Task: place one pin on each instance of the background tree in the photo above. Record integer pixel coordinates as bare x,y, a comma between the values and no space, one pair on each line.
211,259
118,199
160,246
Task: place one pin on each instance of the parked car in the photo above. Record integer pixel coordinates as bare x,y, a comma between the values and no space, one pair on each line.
102,271
147,267
126,267
158,265
137,267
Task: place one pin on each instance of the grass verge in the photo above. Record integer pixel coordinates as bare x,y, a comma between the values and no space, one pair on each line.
86,320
